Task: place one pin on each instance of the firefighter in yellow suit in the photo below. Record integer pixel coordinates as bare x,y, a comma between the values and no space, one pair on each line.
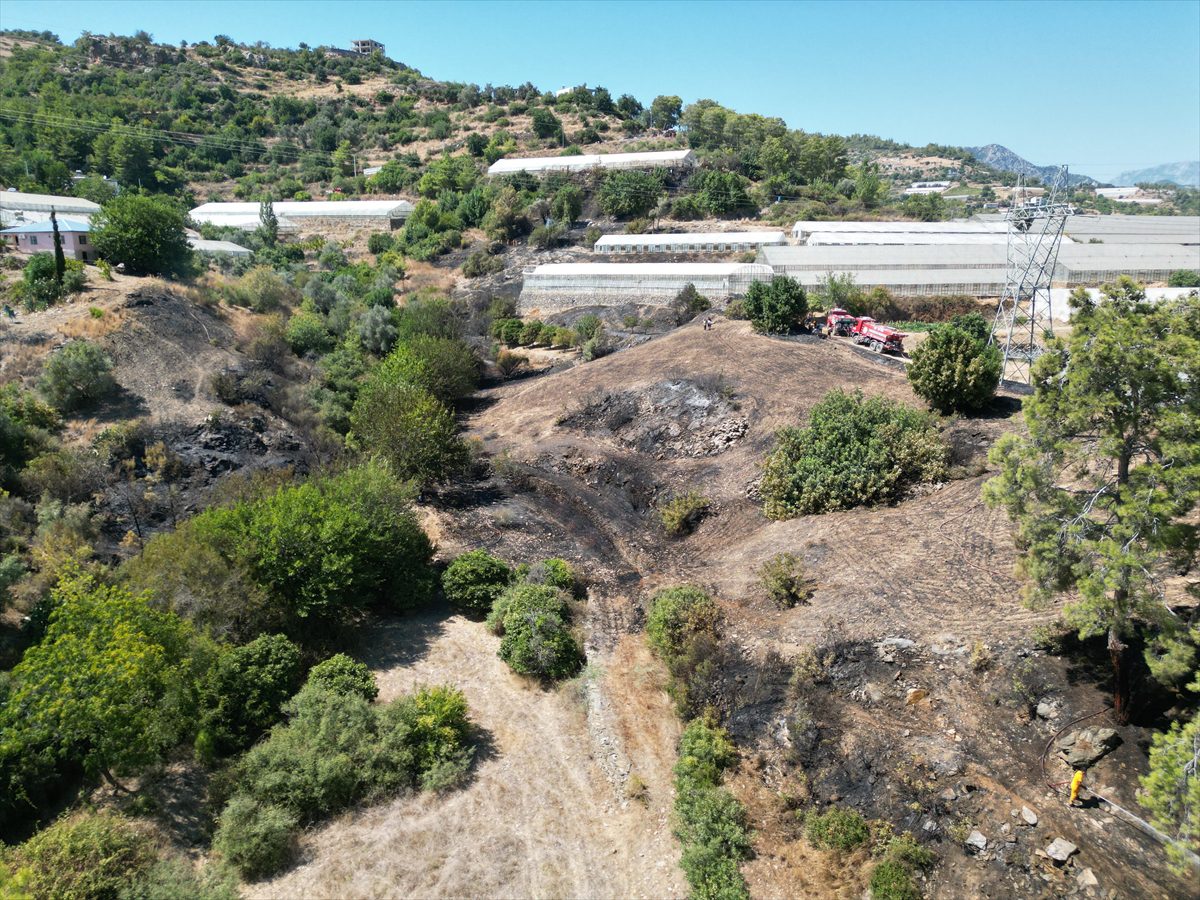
1076,784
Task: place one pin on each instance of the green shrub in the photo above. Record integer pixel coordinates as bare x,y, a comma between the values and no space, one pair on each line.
892,880
588,327
409,427
512,330
776,306
709,822
973,324
342,675
534,620
596,347
784,580
1184,278
246,691
837,829
257,838
175,878
854,451
540,644
629,193
953,371
527,597
87,856
481,263
531,332
77,376
337,750
380,242
683,630
557,573
307,333
682,513
476,579
446,367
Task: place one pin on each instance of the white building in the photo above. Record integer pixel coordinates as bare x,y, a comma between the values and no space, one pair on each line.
664,159
308,215
691,242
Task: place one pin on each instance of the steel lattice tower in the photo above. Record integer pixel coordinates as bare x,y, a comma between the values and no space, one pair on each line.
1023,320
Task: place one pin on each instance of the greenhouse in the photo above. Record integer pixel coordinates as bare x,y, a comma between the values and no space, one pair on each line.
802,229
558,286
810,258
851,238
1094,264
18,207
694,242
664,159
309,214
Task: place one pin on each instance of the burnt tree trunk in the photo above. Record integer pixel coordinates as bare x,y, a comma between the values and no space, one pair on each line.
1118,652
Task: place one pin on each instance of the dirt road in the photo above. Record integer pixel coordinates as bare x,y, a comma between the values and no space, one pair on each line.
539,819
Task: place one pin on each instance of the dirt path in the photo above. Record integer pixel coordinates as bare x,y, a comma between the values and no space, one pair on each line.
539,818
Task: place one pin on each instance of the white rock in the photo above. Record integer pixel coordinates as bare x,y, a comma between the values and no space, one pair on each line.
1087,878
1029,816
1060,850
977,840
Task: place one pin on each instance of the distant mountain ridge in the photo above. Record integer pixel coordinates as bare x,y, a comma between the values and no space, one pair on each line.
1183,173
1000,157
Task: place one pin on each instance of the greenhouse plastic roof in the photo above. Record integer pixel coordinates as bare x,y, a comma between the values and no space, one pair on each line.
229,247
958,227
590,160
851,238
883,255
47,202
696,237
647,269
45,227
297,209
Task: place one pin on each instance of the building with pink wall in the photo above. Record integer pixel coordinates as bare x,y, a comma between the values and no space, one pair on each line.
38,237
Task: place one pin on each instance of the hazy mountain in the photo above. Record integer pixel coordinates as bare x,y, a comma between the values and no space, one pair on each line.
1000,157
1185,173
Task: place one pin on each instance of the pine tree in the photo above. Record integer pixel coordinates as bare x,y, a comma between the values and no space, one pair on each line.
1105,487
60,259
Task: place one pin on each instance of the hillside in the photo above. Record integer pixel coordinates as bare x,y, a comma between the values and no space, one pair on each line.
1001,158
324,573
1182,173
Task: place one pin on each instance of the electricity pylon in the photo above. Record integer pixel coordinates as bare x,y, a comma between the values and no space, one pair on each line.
1023,316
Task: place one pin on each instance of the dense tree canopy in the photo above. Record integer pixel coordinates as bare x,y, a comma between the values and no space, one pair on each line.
146,234
1105,486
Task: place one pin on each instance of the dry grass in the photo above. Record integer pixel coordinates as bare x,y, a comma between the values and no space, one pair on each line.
539,819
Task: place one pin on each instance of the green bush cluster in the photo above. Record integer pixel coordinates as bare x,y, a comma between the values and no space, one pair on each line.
776,306
534,620
475,580
534,333
954,369
709,822
854,451
338,749
683,629
85,856
77,376
299,559
245,693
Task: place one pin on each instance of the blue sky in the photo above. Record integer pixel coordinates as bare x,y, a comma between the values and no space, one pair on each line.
1102,86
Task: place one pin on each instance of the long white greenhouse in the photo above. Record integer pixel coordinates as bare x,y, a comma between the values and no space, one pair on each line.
309,213
803,228
556,286
660,159
692,242
852,238
18,207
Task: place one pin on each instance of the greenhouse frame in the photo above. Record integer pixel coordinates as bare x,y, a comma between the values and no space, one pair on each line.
18,207
381,213
691,242
556,286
